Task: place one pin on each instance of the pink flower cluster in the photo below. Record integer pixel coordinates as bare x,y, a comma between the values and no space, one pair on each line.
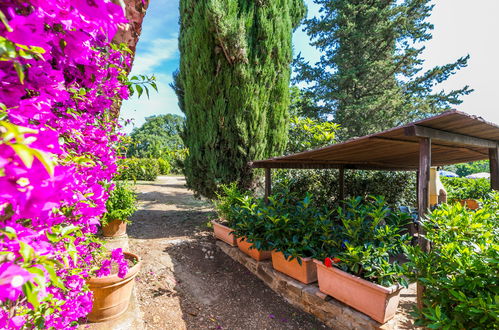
57,150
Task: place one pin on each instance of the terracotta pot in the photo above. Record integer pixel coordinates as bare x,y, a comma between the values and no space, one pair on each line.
224,233
470,203
305,273
253,253
376,301
111,293
114,228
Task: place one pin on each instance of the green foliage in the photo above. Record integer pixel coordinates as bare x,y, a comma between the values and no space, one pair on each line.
140,84
146,169
233,86
122,203
370,75
463,188
301,105
460,271
176,159
164,166
228,199
399,188
157,137
307,134
367,236
288,224
466,169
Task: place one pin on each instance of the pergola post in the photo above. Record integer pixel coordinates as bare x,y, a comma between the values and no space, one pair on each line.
341,184
494,168
423,200
268,185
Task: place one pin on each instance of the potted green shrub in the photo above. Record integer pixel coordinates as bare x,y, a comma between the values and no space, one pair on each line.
292,233
460,271
121,205
229,197
249,228
358,268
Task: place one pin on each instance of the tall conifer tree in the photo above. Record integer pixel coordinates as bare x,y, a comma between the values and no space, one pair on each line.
369,77
233,85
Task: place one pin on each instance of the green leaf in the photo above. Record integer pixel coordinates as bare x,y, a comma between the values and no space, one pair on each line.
20,71
139,89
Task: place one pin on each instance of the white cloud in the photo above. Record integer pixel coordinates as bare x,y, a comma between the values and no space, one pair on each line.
155,54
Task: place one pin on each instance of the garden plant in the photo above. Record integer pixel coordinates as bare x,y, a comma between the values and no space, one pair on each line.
460,271
61,76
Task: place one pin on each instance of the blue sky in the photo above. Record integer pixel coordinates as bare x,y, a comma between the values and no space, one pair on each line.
461,27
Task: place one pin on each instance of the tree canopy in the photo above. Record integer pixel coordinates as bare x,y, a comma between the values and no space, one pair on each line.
233,85
158,135
370,76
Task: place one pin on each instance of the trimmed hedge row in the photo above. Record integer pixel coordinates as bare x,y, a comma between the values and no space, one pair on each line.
146,169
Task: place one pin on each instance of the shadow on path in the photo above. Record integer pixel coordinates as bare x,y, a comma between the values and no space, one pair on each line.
186,282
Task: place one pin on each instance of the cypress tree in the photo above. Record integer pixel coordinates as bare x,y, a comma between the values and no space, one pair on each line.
233,85
369,77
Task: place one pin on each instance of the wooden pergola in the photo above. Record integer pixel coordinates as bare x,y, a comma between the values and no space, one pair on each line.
449,138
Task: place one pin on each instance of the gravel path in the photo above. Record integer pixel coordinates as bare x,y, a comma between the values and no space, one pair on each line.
186,282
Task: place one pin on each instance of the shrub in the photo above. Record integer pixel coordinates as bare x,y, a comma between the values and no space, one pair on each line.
164,166
287,224
366,236
399,188
146,169
122,203
227,202
460,271
463,188
176,159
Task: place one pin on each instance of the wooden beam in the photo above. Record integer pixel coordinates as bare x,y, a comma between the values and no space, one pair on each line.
268,185
406,142
494,168
423,200
341,184
436,134
298,164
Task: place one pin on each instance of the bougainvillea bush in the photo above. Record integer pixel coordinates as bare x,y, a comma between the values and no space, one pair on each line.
59,77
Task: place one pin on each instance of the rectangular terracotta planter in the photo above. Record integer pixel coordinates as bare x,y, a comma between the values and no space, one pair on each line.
253,253
376,301
305,273
223,233
470,203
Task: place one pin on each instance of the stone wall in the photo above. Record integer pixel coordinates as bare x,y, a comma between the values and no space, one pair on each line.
307,297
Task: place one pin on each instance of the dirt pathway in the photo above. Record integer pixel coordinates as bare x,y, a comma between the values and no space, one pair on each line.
186,282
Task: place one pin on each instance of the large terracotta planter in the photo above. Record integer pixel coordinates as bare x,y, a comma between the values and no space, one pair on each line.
111,293
470,203
376,301
114,228
305,273
224,233
253,253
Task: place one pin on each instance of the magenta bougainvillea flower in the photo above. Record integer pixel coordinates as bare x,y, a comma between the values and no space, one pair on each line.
57,150
12,278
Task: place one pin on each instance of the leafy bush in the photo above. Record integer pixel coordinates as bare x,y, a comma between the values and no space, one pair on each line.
367,235
399,188
465,169
138,169
307,134
287,224
227,202
460,271
122,203
176,159
164,166
463,188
